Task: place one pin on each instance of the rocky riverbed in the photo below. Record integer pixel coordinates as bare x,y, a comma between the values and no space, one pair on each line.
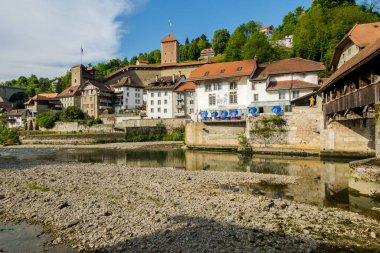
114,208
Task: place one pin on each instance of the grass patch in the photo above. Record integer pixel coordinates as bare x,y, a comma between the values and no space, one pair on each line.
155,199
35,187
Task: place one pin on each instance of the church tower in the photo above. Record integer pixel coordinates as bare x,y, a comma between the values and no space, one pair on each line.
169,50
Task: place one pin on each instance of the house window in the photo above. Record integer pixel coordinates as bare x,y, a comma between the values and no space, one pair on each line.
211,99
191,102
254,86
158,109
255,97
281,95
165,110
159,94
152,94
151,102
206,73
222,71
137,101
159,102
127,94
136,89
296,94
152,110
239,68
191,110
233,86
166,93
126,100
191,94
217,86
233,97
208,87
137,95
165,102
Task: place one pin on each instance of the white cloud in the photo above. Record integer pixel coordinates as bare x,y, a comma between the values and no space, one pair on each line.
44,37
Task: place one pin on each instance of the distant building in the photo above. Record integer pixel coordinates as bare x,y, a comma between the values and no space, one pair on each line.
268,31
161,97
278,83
43,102
17,118
96,97
206,53
127,94
184,99
359,37
71,95
169,49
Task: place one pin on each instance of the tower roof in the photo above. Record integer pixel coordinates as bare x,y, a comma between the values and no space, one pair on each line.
169,38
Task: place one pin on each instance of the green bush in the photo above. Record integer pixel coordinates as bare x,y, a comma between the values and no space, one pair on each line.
92,122
71,113
47,119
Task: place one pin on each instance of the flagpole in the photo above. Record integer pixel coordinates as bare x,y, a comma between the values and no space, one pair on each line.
81,54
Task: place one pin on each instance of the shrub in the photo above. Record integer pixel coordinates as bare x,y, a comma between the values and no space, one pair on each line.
71,113
92,122
47,119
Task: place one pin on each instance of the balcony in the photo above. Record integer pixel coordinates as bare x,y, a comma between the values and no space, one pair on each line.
367,95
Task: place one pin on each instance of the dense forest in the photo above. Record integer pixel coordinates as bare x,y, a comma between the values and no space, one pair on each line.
316,30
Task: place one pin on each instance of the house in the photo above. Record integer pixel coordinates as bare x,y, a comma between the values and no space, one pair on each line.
71,95
286,42
207,53
278,83
128,95
223,87
43,102
17,118
268,31
161,97
184,95
360,36
96,97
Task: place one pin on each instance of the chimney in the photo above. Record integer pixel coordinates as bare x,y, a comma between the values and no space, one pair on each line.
173,78
156,78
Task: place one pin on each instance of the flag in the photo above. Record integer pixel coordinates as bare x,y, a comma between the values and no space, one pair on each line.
81,50
170,23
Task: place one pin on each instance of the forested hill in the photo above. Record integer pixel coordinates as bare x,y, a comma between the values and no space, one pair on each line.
316,30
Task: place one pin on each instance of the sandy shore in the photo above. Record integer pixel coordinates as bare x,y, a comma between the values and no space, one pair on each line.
114,208
122,145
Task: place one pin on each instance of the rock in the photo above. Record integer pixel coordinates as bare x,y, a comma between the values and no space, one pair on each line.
72,223
2,196
63,205
373,235
306,231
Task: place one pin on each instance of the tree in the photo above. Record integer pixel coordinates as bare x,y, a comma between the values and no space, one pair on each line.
133,60
154,56
46,119
332,3
258,46
220,40
233,51
288,25
71,113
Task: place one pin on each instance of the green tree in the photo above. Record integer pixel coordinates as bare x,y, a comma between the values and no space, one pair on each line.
154,56
46,119
220,40
258,46
71,113
234,48
332,3
133,60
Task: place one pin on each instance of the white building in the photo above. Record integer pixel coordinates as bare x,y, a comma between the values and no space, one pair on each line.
223,87
268,31
241,85
279,82
128,94
17,117
161,97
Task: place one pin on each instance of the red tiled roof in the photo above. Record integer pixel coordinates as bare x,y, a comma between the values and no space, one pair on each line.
186,86
17,112
207,50
291,84
43,97
265,27
126,81
165,83
361,35
169,38
70,91
223,70
358,60
292,65
99,85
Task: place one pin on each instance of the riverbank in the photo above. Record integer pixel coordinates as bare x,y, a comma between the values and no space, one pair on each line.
151,145
116,208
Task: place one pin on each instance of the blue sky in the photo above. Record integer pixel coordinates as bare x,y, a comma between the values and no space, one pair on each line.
192,18
44,37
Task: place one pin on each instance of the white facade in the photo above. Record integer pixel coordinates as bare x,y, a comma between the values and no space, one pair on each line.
70,101
160,104
128,98
349,51
218,95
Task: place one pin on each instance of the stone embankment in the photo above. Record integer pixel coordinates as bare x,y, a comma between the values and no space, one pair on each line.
114,208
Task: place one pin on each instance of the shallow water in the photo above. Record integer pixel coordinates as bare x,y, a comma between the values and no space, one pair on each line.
322,182
21,238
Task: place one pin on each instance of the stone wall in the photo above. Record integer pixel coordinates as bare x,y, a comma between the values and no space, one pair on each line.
349,137
79,127
302,130
222,135
69,138
169,124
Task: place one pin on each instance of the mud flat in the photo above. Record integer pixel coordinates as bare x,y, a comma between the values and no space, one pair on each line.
115,208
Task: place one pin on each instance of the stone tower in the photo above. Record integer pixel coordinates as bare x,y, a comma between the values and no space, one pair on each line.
169,50
76,75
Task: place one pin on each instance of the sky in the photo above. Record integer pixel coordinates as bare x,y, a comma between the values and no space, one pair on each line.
45,37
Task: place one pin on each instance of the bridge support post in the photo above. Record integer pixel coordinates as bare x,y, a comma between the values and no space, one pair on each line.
377,129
